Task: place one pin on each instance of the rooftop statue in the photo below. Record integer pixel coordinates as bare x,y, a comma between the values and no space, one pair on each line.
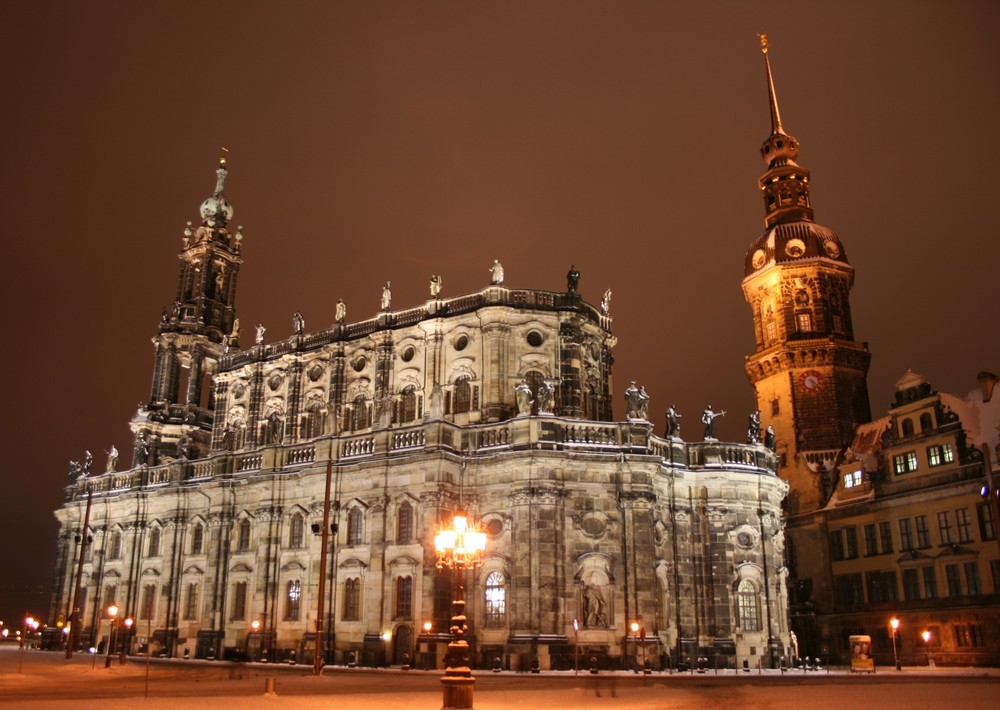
496,272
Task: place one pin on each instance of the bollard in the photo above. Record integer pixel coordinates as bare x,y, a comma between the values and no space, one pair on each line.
187,653
497,665
269,686
593,665
746,665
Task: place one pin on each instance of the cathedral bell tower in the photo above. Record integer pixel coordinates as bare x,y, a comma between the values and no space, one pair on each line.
200,327
808,372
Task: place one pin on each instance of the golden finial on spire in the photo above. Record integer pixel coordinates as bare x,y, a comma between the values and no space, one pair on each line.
763,42
222,160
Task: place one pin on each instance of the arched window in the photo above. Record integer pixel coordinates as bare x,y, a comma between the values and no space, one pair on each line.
463,396
197,539
359,413
746,596
495,610
926,423
408,404
314,419
354,520
404,524
154,542
352,599
296,530
116,545
243,539
907,427
293,598
404,598
239,601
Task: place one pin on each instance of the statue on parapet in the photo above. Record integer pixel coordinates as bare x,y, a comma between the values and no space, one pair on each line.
522,393
436,283
572,279
546,396
708,418
112,458
341,313
298,323
387,295
753,427
496,273
260,333
88,463
769,437
673,422
632,402
606,303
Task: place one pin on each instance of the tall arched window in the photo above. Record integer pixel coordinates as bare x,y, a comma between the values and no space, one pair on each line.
404,598
197,539
359,413
495,610
746,596
463,396
116,545
907,427
154,542
354,520
408,404
352,599
404,524
293,599
926,422
243,540
296,531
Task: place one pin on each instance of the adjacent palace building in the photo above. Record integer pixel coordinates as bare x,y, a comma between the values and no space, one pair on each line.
604,539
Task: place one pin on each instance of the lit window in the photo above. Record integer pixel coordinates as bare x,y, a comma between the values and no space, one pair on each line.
293,598
852,479
938,455
496,600
905,463
804,322
746,594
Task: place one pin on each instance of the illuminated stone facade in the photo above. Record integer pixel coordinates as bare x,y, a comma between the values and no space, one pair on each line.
498,402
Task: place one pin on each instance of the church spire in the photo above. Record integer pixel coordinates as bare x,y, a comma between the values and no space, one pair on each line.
785,185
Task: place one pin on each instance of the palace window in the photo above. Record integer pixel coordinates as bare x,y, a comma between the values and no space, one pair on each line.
804,322
944,527
852,479
746,596
930,583
296,532
972,578
352,599
115,552
191,605
851,537
849,589
239,601
905,463
243,538
907,427
954,581
354,520
871,542
911,585
967,635
110,592
293,599
148,607
404,598
882,587
154,542
940,455
360,418
197,539
404,524
885,532
462,401
408,404
923,533
905,534
926,423
987,531
496,601
963,525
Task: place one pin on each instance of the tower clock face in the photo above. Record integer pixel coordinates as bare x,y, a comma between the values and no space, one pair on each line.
811,381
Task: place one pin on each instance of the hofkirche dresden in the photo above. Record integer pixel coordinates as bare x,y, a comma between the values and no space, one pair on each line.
261,470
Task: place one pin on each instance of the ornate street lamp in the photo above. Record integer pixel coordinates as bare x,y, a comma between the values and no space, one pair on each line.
894,625
459,547
926,636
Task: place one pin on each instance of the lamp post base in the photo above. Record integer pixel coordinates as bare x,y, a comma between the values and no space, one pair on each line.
457,685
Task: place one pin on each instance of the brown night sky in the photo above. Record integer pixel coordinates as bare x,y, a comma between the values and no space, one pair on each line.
392,140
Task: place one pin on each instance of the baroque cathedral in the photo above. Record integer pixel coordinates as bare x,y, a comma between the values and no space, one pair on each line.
604,539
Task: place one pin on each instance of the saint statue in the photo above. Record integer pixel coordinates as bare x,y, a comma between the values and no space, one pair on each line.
298,323
260,333
436,283
708,419
673,422
546,395
496,272
341,310
112,458
522,393
753,428
386,295
572,279
606,303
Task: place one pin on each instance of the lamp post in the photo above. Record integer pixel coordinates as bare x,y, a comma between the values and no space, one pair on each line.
30,624
459,547
112,614
576,647
926,636
254,629
124,640
894,625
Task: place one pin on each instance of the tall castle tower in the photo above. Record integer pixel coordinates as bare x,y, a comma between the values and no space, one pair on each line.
808,371
176,423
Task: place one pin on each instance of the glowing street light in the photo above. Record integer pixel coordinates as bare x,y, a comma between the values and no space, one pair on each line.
112,615
926,636
459,547
894,625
